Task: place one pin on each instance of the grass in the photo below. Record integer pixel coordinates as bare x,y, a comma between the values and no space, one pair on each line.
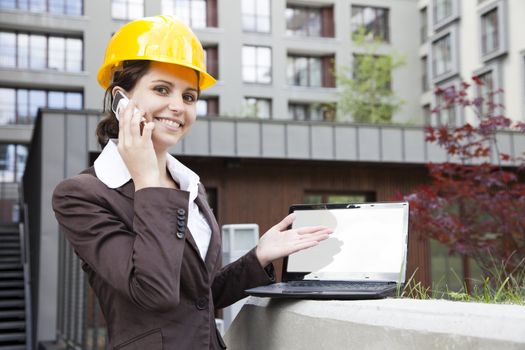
502,287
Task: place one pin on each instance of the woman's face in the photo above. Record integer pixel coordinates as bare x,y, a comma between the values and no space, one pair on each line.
168,95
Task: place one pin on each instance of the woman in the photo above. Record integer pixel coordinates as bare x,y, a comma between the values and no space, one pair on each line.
139,220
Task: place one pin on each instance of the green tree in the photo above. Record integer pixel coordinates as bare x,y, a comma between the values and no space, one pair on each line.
366,91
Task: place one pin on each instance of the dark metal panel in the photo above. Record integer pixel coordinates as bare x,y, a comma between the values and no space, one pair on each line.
298,141
248,139
76,144
322,143
346,146
369,143
273,140
197,141
414,146
222,138
391,146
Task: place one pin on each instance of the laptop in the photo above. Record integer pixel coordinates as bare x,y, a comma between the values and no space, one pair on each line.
364,258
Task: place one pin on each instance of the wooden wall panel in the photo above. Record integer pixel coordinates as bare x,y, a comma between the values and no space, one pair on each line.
261,191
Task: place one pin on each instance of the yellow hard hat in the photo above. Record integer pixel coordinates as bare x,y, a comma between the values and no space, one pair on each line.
160,38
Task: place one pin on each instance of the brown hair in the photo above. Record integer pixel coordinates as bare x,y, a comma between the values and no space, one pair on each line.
126,77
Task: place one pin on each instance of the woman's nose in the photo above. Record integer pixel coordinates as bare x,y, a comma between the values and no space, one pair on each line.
176,103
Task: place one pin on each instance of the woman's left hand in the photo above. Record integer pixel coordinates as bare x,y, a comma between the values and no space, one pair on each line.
279,242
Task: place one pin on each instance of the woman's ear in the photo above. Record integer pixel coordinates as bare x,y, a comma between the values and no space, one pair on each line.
118,88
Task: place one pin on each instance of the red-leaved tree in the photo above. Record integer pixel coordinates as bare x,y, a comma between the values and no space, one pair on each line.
473,204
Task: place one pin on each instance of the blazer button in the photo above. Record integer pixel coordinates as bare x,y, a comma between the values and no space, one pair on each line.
181,212
202,303
180,235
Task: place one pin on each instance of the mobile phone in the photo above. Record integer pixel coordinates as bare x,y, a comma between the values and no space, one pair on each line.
120,101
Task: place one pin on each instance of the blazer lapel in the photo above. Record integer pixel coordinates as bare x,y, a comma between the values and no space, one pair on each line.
214,249
128,190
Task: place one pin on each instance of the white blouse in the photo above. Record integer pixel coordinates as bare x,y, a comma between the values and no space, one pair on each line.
112,171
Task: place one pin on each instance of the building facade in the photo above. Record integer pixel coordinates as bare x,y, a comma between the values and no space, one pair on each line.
269,136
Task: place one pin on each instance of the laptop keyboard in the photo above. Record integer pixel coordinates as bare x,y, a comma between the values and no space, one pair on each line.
335,286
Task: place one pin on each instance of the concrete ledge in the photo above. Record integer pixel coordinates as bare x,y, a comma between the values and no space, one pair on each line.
268,324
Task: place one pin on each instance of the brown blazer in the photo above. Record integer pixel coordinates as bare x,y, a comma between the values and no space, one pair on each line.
155,291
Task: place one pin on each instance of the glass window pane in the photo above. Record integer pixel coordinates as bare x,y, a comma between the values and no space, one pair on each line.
74,100
56,99
263,24
23,4
202,108
37,5
37,57
249,74
301,71
37,99
248,7
198,14
7,4
263,108
314,22
290,71
248,23
21,158
118,9
74,55
22,106
136,10
7,49
315,72
57,6
182,10
57,53
74,7
263,8
167,7
7,106
23,51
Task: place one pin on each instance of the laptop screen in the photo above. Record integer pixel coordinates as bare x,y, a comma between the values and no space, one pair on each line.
369,242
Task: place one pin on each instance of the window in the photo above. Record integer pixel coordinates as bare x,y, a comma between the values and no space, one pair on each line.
442,10
211,57
374,20
256,64
424,25
343,197
424,76
254,107
486,92
442,55
310,71
256,16
313,112
12,162
446,114
309,21
20,106
196,13
489,32
41,52
60,7
207,106
127,9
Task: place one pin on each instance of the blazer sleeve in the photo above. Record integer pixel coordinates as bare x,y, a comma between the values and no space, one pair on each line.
244,273
142,262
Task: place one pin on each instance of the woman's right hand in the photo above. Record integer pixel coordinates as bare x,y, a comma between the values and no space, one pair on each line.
136,148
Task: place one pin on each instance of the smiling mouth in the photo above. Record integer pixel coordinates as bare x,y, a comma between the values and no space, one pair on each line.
169,122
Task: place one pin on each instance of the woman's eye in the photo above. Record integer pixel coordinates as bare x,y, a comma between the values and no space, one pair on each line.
189,98
162,90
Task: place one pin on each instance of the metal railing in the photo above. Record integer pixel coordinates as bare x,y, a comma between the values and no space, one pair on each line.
80,324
